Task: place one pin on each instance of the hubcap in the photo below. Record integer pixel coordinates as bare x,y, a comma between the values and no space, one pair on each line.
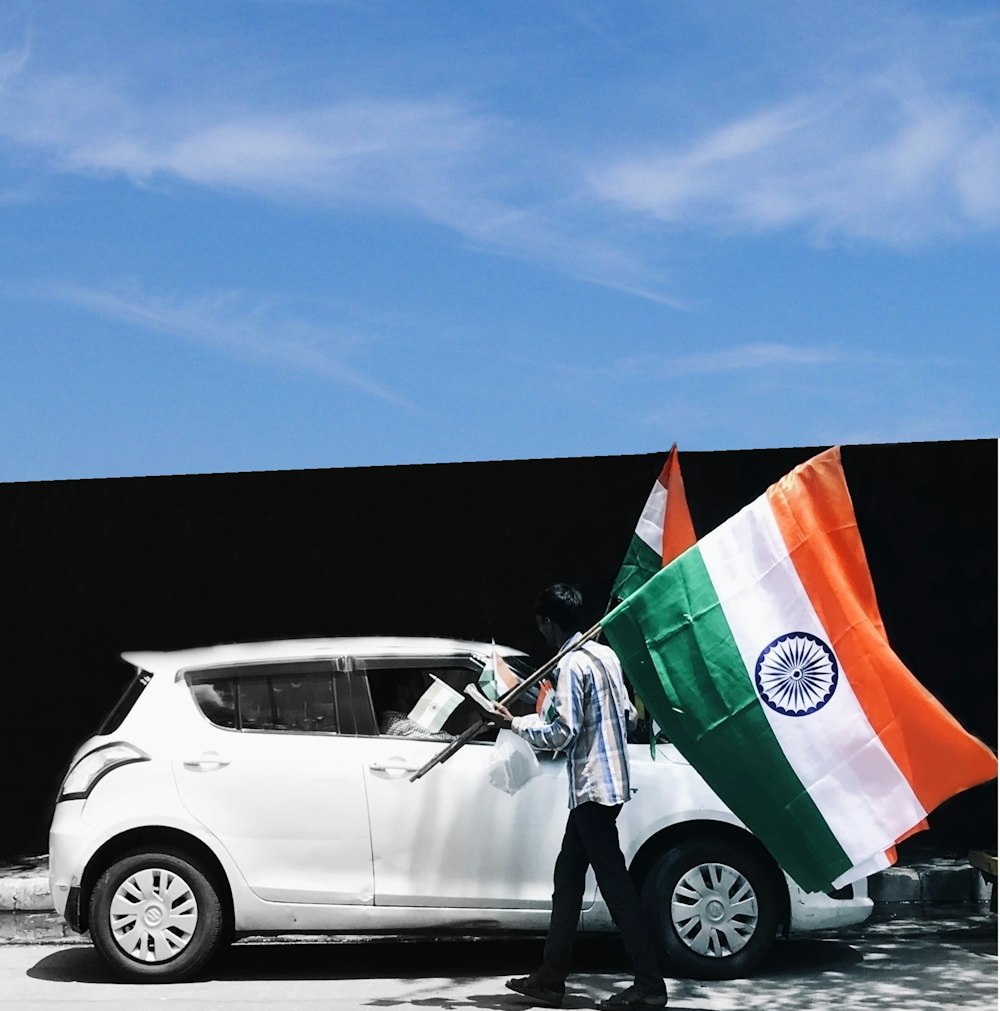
714,910
153,915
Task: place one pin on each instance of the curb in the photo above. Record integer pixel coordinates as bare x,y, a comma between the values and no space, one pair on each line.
25,894
937,881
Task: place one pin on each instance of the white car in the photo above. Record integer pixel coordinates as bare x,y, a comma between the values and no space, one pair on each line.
246,790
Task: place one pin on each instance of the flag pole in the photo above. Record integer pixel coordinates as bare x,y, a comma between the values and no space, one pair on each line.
518,689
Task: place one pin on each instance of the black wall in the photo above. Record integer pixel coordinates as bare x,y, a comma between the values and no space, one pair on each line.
92,568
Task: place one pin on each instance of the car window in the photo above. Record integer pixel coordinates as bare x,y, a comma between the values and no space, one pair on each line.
217,700
397,685
288,701
298,698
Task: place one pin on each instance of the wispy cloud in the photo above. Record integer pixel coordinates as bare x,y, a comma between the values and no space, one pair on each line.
888,159
776,395
228,322
14,61
757,356
380,152
418,154
894,155
432,158
738,358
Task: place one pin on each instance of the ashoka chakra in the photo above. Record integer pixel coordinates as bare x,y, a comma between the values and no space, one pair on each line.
796,674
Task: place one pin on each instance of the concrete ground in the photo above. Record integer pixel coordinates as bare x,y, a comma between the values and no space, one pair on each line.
945,960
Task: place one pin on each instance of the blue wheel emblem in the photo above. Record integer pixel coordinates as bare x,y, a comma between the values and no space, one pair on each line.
796,674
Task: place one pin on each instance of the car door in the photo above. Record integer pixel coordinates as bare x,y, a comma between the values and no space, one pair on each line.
451,839
273,771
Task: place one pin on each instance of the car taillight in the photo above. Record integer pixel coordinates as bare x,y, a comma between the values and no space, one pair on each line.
96,764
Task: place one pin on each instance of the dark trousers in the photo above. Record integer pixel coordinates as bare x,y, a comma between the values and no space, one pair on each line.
591,840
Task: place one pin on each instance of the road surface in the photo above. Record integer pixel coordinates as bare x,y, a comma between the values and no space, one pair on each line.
908,965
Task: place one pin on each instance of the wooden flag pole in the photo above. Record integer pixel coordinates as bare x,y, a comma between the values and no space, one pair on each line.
518,689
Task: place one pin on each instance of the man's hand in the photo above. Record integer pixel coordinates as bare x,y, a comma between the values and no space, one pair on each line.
502,714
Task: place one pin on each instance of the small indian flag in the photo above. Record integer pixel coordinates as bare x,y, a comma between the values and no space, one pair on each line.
664,530
497,678
435,706
762,654
545,704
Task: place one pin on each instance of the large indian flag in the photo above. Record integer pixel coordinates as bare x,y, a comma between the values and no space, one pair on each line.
664,530
761,653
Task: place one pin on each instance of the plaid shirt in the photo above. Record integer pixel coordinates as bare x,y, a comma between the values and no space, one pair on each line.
590,724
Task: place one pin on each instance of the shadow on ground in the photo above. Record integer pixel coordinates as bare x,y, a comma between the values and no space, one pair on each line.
454,959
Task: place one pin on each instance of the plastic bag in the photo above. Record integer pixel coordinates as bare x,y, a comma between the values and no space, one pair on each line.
513,762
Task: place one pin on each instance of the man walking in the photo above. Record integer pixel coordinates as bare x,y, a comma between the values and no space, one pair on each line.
589,724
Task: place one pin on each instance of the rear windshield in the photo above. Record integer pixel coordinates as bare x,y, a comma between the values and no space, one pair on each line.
122,707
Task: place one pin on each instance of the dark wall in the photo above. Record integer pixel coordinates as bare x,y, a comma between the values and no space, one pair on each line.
92,568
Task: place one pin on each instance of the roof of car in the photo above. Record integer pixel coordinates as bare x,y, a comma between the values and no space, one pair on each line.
305,649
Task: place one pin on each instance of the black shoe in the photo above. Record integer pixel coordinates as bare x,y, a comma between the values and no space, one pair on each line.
541,996
633,997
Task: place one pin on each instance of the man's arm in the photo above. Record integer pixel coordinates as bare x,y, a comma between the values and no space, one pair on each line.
558,734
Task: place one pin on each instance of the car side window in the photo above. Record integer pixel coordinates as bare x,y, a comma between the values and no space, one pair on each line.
288,701
397,685
303,698
217,700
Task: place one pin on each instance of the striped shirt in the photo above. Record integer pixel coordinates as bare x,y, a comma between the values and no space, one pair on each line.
590,724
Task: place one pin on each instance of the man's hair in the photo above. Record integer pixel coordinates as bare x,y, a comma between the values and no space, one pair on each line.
563,604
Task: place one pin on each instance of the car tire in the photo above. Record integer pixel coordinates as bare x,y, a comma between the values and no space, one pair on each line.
713,907
156,917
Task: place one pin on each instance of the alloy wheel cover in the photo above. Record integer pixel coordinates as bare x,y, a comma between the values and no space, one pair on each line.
153,915
714,910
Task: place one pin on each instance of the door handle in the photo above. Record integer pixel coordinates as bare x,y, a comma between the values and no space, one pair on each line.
393,765
206,763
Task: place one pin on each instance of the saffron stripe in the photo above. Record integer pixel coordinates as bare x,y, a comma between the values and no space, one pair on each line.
813,510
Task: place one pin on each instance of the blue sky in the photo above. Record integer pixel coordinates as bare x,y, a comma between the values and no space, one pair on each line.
269,234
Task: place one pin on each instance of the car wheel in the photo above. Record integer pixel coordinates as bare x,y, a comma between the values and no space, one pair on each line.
155,917
713,907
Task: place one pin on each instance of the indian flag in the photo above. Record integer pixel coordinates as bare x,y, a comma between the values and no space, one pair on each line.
435,706
761,653
545,704
664,530
497,678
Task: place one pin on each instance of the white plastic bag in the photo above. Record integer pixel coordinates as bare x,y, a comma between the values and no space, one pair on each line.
513,762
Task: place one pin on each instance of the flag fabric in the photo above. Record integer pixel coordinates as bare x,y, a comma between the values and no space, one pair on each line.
545,704
664,530
762,655
435,706
497,678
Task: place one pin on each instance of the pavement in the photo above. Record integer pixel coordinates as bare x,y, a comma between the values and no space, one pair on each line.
926,888
898,966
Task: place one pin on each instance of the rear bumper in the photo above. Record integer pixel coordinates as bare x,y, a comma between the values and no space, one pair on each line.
70,846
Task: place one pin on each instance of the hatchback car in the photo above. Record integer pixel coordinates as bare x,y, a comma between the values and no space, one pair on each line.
247,790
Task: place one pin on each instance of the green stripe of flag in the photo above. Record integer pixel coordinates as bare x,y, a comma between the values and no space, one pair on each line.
641,563
676,647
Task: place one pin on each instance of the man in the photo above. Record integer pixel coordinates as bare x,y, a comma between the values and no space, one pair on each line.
589,724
